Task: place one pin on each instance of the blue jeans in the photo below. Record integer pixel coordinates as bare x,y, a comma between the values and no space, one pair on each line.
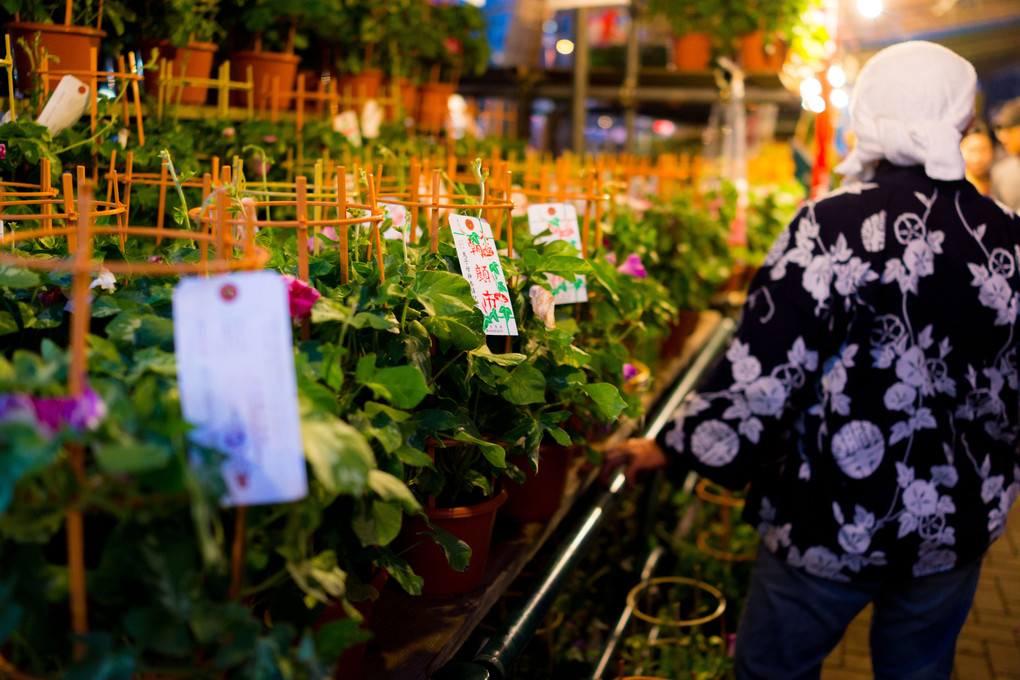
793,620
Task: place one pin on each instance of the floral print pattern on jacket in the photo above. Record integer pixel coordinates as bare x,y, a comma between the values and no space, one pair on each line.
870,393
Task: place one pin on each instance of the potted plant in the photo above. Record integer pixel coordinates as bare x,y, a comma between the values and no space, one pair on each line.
454,44
65,29
278,28
189,47
751,30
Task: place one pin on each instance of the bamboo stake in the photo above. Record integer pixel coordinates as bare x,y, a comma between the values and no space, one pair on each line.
434,221
376,235
341,209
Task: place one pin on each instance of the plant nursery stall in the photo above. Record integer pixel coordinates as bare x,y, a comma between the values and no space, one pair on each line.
307,361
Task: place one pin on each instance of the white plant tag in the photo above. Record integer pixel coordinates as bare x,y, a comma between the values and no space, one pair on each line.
235,372
347,124
371,119
561,221
66,105
479,263
398,215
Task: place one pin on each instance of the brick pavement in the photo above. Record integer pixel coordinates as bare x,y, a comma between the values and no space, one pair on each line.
989,645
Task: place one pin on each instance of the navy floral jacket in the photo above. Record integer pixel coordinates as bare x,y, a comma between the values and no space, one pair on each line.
870,392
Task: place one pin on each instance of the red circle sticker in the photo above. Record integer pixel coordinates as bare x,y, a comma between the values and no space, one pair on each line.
228,292
469,224
81,90
552,210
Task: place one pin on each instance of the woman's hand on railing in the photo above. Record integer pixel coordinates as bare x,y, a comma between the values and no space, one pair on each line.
636,455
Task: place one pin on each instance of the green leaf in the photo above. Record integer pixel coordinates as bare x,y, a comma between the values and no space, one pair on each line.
464,332
339,455
329,310
458,553
154,360
7,323
408,455
388,518
390,488
511,359
494,453
376,321
14,277
131,457
525,385
606,399
401,572
336,636
403,386
443,294
155,331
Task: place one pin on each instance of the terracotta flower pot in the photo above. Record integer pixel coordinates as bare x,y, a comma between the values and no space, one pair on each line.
756,56
70,44
692,51
195,57
348,666
408,93
362,86
541,494
434,105
472,524
265,67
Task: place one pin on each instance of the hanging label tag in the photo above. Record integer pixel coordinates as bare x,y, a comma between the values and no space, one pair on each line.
70,99
235,372
371,119
479,262
561,221
398,216
347,124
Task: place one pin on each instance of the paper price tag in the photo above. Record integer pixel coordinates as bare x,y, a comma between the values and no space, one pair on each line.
479,262
561,221
69,101
349,126
398,215
235,372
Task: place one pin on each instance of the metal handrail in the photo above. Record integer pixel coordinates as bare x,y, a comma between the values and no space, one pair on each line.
498,655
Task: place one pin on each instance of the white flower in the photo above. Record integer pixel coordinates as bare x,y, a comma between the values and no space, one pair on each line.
746,370
919,258
854,539
934,561
714,443
995,292
820,561
858,448
778,248
818,277
766,396
873,232
900,397
105,280
921,498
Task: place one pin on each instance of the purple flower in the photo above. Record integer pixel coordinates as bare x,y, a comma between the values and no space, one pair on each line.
16,407
328,232
632,266
731,644
301,297
629,372
85,412
3,151
50,297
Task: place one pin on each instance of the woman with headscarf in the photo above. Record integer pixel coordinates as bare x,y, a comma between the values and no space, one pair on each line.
869,396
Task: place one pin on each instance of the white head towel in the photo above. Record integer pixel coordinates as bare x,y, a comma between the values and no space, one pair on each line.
910,106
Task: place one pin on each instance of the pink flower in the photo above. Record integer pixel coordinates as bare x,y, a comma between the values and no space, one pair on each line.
632,266
3,151
51,297
328,232
301,297
262,166
81,413
452,46
731,644
229,132
155,259
269,139
611,257
629,372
